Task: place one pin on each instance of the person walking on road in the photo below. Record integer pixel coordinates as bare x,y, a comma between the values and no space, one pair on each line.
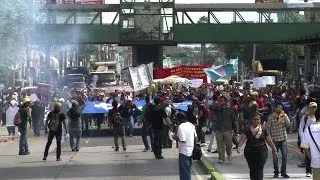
157,126
146,119
308,119
277,126
256,151
25,115
116,122
225,118
186,136
54,122
311,144
75,126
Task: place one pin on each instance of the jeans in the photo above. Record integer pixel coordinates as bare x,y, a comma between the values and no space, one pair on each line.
256,161
157,146
166,141
11,130
116,134
234,139
146,130
185,163
85,123
224,143
128,124
200,133
308,164
36,126
52,134
282,145
75,134
23,142
213,135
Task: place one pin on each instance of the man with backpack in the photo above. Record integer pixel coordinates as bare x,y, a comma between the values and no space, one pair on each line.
308,119
54,122
117,124
25,116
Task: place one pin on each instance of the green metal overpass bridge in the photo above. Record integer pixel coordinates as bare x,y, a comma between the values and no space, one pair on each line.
148,26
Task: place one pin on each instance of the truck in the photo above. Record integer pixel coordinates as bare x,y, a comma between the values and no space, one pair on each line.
103,74
75,77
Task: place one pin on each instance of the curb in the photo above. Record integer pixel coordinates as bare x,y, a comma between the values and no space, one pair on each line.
7,139
208,168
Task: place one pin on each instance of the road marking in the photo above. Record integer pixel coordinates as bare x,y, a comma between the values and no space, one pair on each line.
87,141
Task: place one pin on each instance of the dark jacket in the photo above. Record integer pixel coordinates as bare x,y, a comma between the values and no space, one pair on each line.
225,118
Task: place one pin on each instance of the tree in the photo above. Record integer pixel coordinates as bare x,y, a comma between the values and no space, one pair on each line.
16,20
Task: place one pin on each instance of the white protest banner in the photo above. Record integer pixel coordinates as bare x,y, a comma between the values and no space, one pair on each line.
269,80
195,83
258,82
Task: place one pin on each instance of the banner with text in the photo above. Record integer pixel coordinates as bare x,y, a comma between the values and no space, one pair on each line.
189,72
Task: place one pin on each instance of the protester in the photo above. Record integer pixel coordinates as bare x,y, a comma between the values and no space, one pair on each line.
256,151
54,123
186,138
25,116
75,129
277,126
225,118
146,120
158,127
311,144
117,125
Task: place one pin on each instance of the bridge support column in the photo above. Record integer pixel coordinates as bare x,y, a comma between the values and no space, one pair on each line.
46,71
142,54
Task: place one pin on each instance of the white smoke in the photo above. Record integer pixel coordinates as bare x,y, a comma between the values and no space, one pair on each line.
16,20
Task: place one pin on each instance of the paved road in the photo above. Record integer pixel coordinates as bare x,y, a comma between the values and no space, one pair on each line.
238,168
95,160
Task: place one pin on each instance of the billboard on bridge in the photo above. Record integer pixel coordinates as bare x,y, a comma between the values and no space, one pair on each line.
269,1
89,1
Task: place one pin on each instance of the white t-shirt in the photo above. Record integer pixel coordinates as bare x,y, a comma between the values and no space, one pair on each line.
186,134
303,127
307,142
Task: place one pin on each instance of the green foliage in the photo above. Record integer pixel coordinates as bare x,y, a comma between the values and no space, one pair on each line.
16,19
265,51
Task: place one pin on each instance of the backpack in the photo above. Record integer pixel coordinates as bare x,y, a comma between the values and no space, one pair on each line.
197,152
54,122
17,119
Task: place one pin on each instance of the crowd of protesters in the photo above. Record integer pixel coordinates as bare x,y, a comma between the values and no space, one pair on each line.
261,116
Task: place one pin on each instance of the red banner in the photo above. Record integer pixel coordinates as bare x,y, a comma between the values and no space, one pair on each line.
189,72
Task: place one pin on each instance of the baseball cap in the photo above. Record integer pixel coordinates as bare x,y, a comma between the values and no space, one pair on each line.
313,104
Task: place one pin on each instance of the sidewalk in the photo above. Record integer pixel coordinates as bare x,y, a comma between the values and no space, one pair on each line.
238,168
